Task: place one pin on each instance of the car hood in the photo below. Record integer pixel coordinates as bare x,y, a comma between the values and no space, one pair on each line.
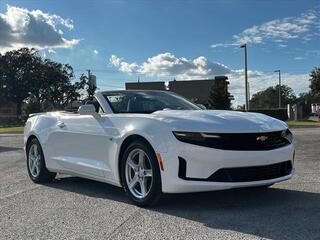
219,121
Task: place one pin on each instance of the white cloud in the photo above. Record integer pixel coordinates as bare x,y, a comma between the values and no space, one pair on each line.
20,27
95,51
224,45
51,50
166,64
298,58
305,26
123,66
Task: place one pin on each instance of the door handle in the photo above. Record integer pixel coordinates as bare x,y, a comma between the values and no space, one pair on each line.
61,124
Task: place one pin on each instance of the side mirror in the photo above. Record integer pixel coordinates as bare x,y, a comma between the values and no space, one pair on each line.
87,109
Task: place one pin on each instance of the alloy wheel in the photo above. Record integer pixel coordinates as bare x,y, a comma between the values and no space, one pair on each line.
34,160
138,173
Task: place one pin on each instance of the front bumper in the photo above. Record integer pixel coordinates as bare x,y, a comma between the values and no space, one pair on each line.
202,162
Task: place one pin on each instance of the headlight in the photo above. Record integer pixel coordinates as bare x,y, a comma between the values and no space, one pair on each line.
287,135
198,138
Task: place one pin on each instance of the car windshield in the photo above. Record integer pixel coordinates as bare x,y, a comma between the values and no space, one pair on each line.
146,101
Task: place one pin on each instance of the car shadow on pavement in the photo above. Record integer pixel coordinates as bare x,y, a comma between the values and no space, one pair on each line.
89,188
8,149
272,213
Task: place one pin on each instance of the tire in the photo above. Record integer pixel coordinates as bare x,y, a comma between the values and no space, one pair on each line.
146,174
36,166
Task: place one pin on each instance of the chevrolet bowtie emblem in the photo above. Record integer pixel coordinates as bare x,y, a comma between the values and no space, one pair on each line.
262,138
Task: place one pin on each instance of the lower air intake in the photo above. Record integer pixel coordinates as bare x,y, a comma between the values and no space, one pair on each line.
241,174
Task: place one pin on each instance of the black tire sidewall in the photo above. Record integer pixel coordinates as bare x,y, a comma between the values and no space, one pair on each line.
155,190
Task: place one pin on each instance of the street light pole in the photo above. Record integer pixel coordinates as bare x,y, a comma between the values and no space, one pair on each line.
278,71
247,108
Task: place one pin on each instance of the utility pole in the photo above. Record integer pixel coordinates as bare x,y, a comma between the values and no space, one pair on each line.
89,73
247,108
248,95
278,71
91,84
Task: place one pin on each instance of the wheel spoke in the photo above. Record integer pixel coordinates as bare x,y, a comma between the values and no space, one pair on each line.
33,167
31,158
36,168
141,158
37,161
133,182
35,150
143,187
133,165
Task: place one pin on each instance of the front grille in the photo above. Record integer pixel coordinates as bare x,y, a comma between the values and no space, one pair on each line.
253,141
241,174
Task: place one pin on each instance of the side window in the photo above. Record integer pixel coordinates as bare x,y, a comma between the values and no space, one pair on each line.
118,103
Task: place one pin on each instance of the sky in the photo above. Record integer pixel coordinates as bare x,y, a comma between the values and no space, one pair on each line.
122,41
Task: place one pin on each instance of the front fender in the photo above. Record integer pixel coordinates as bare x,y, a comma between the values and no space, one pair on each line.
155,132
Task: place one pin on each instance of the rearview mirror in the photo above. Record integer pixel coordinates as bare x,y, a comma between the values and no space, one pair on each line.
87,109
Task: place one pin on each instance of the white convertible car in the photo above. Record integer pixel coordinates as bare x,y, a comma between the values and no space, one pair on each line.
154,142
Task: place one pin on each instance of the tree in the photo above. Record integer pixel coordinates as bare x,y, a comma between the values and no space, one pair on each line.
313,95
55,87
315,82
219,97
25,75
18,70
269,98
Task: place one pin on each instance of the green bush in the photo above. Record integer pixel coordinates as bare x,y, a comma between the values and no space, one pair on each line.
281,113
10,122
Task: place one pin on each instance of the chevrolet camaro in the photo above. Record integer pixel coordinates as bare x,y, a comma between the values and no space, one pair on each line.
153,142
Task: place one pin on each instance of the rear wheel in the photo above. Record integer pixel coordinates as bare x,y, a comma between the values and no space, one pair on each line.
140,174
36,165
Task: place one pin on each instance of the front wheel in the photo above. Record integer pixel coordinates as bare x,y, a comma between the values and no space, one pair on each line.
36,165
140,174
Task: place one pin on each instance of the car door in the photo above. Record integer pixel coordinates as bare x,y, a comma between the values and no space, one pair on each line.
80,144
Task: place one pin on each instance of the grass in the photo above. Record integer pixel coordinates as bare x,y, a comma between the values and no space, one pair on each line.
11,130
305,123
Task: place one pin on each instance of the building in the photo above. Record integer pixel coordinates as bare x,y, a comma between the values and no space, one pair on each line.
146,85
194,90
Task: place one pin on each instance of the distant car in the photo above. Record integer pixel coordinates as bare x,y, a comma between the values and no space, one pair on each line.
154,142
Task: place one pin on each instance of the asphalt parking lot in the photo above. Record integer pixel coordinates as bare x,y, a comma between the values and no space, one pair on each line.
74,208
